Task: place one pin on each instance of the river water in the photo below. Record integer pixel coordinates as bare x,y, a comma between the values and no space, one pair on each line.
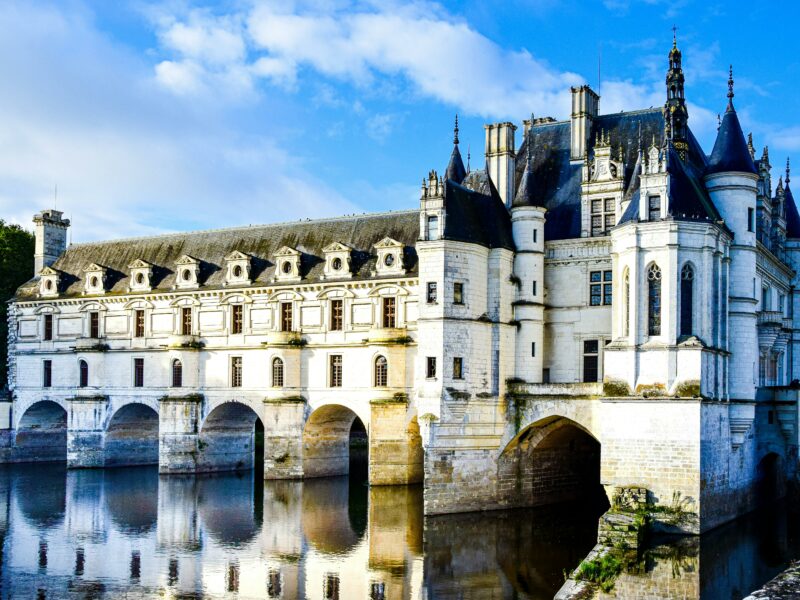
130,533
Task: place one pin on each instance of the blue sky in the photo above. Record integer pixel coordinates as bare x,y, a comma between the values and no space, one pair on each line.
163,116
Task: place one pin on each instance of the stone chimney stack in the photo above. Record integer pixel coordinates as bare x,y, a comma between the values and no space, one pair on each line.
585,104
500,158
51,238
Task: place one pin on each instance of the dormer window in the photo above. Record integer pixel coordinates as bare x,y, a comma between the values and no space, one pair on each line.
654,208
237,268
390,258
48,283
187,272
141,273
337,261
287,261
94,279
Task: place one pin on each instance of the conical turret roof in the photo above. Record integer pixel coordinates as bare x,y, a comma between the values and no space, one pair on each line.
730,150
455,168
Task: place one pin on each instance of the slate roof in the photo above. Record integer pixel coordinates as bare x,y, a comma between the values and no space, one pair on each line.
730,149
474,212
792,216
260,242
455,168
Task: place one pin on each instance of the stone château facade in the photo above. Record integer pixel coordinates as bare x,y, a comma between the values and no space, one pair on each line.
604,303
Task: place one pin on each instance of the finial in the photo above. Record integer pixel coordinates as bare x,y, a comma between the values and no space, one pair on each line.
640,138
730,86
674,36
750,146
787,171
719,121
530,144
469,149
455,132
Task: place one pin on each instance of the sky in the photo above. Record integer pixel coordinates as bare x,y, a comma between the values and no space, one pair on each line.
137,118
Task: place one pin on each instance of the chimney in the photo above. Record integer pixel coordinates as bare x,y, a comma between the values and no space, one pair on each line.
584,110
500,158
51,238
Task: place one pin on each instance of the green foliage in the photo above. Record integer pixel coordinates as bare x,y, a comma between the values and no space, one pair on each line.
602,570
16,267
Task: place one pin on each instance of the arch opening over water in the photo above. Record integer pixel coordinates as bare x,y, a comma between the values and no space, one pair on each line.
552,461
42,432
132,436
335,442
228,439
770,483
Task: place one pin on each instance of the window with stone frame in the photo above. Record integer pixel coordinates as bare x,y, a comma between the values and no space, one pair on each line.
430,367
458,367
653,300
654,208
138,323
138,372
627,301
335,371
47,373
237,319
458,293
431,292
94,324
687,299
286,316
602,215
177,373
600,288
381,372
330,586
236,371
277,372
274,584
389,312
48,328
591,360
83,374
337,315
186,320
377,590
432,224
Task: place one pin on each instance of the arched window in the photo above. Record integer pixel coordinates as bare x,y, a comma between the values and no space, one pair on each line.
381,372
277,372
177,373
653,300
626,293
687,299
84,373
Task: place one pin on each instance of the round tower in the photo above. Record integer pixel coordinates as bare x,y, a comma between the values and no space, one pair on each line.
527,227
731,181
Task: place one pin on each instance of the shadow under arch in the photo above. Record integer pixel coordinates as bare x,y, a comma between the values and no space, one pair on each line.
227,438
132,436
131,498
330,433
42,433
551,461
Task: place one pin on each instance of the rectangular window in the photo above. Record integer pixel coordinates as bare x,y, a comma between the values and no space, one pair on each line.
654,208
765,298
431,292
458,367
274,584
545,375
336,370
237,319
534,288
337,315
48,327
533,349
602,217
138,323
781,304
535,235
236,371
186,320
591,360
389,312
600,288
433,228
138,372
377,591
94,324
458,293
750,219
331,586
47,373
430,367
286,316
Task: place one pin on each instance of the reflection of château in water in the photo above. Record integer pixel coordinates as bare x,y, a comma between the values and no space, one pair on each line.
105,533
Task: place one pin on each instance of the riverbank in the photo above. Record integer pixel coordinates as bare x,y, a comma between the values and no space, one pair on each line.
785,586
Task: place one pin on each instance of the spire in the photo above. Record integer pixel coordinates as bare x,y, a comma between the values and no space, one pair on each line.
750,146
787,171
676,116
525,191
730,88
731,152
469,156
455,168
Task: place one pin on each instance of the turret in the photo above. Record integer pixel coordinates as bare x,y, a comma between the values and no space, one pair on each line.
676,116
500,158
527,226
51,238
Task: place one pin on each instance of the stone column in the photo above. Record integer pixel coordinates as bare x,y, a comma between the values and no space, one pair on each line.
85,431
283,419
395,445
178,426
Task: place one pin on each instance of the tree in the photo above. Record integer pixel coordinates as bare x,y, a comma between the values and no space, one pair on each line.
16,267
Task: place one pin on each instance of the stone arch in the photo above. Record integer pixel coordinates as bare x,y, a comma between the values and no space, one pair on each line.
552,460
769,483
132,436
226,441
42,432
326,440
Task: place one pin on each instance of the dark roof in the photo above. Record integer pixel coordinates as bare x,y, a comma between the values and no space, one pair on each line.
730,150
476,213
455,168
557,183
260,242
792,216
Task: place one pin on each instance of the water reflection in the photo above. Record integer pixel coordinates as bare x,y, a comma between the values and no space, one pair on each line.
131,533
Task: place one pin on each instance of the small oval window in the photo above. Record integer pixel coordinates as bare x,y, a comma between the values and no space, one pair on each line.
140,278
48,285
286,267
337,264
237,271
187,274
93,281
389,260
